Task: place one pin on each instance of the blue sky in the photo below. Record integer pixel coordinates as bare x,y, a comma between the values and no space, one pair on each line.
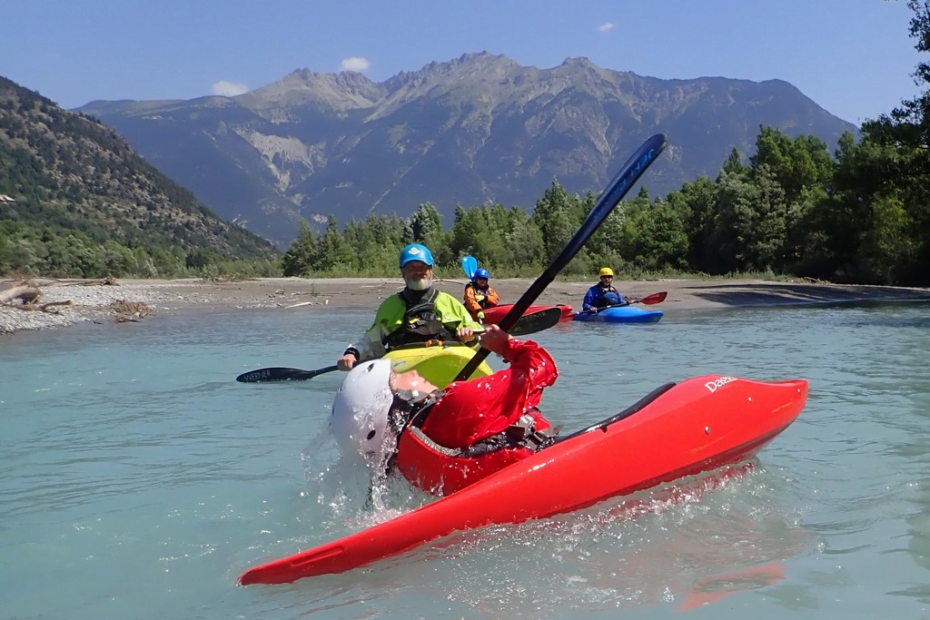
853,57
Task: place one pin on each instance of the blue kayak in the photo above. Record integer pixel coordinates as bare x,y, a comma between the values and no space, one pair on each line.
621,314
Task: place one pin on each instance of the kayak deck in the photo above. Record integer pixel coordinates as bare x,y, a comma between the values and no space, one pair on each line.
437,364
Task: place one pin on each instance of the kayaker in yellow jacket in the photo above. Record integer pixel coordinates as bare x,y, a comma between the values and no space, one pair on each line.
418,313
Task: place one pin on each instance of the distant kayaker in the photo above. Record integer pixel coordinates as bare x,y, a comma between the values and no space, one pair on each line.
479,295
419,313
375,403
602,294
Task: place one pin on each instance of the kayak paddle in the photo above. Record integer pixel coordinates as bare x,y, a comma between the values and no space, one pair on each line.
529,324
655,298
281,374
469,266
634,167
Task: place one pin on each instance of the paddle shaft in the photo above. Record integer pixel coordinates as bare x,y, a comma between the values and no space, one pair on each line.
635,166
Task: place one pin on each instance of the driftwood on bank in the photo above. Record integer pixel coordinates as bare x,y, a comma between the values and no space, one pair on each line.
29,296
130,311
107,281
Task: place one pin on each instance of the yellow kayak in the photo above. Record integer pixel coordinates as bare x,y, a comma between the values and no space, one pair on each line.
437,364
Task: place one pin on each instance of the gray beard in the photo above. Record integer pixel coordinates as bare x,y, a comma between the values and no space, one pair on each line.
420,284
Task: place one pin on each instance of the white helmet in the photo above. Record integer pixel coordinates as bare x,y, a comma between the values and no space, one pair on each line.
360,410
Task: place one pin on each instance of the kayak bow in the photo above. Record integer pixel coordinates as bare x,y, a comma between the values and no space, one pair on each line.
496,314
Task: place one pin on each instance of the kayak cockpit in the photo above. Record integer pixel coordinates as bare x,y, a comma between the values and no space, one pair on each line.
637,406
441,470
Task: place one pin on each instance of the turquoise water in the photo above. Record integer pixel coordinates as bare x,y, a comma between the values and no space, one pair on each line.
138,479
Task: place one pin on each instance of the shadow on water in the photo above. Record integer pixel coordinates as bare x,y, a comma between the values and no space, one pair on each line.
744,295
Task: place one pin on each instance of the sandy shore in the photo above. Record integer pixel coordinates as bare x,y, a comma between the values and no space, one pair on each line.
93,302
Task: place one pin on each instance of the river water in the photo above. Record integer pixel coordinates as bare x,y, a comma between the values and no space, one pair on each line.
138,479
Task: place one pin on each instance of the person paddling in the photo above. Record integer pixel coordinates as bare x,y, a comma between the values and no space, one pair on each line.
602,294
375,403
419,313
479,296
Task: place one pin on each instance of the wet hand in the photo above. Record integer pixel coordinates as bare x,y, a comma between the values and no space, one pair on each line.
494,339
346,362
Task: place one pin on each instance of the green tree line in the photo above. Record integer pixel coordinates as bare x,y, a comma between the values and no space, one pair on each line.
792,209
53,251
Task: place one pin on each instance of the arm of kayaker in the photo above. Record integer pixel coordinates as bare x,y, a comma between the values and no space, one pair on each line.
590,297
528,357
523,355
368,347
493,297
495,340
371,345
454,316
471,302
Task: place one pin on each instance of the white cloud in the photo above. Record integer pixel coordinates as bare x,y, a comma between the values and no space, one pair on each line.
224,88
354,63
605,27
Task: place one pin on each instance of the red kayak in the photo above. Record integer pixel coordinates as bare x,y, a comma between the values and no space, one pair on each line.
493,316
678,430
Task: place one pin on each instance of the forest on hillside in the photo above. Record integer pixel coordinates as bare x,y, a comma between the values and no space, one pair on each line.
80,202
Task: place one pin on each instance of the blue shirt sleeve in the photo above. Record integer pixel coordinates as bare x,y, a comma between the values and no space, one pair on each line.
590,298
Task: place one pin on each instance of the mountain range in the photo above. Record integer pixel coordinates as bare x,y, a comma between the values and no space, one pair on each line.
478,129
64,172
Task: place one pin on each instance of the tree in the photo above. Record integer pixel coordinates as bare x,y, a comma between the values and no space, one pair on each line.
553,218
426,224
298,259
332,250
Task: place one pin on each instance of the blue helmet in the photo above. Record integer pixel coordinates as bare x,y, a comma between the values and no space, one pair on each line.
481,272
416,251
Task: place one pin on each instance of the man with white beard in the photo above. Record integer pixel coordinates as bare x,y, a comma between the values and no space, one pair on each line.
418,313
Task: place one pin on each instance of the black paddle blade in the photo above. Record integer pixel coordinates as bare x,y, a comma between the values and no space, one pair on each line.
264,375
536,322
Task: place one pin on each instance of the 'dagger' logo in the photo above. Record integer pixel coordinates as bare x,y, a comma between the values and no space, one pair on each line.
716,383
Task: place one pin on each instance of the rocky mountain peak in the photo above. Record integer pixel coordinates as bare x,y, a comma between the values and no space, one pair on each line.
471,130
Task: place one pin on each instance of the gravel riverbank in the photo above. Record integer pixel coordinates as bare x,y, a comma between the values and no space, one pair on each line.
95,302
